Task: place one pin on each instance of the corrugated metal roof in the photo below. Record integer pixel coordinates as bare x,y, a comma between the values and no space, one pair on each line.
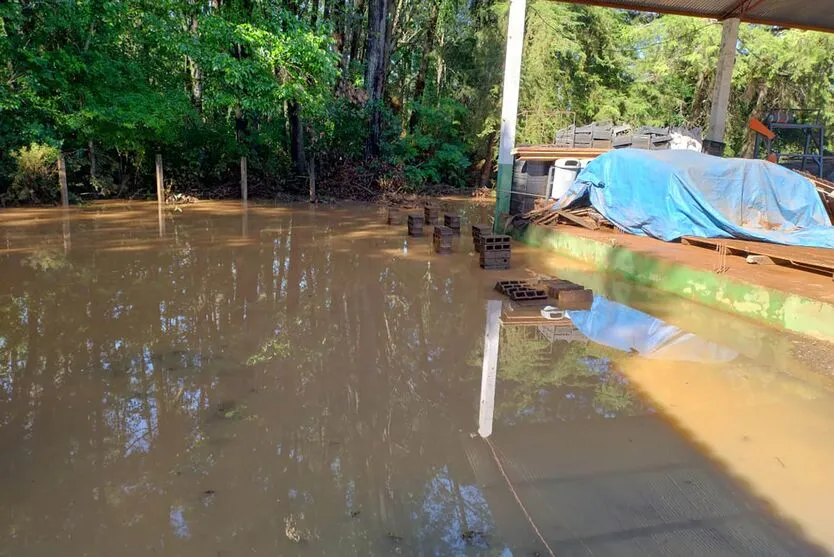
803,14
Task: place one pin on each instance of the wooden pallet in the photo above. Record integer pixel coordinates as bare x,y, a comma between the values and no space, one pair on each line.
817,260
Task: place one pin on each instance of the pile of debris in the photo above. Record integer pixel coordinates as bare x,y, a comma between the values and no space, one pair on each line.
826,191
586,217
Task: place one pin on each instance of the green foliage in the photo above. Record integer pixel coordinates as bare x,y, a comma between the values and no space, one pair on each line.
205,83
271,350
435,151
35,180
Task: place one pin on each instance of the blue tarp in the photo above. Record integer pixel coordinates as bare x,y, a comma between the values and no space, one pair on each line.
670,194
628,330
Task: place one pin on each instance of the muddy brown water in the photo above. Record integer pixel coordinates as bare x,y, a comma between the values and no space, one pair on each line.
294,381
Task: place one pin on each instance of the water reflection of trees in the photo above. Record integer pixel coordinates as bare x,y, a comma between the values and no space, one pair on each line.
542,380
208,393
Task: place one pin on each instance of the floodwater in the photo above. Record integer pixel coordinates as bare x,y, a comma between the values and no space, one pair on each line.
284,380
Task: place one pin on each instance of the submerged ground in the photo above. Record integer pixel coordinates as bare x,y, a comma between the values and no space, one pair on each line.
306,381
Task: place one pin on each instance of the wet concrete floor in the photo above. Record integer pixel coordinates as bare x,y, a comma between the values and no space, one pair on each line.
296,381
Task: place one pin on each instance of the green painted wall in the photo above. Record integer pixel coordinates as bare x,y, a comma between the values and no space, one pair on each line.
783,309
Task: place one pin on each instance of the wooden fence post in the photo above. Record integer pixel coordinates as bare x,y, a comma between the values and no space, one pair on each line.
244,180
313,179
62,180
160,194
160,181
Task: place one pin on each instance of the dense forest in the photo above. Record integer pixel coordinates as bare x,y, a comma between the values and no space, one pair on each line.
367,95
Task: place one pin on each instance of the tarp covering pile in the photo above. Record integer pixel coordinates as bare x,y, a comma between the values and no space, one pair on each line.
670,194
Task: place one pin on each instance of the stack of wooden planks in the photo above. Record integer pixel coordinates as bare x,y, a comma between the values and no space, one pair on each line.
586,217
826,191
552,153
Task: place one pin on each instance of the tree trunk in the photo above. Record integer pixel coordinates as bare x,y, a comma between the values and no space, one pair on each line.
356,32
441,67
312,179
391,30
299,158
92,152
194,70
486,170
420,82
343,19
375,70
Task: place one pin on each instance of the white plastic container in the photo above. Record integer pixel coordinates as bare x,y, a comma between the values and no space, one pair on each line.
562,175
584,162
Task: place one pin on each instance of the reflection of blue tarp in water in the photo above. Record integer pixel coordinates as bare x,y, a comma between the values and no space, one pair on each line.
626,329
669,194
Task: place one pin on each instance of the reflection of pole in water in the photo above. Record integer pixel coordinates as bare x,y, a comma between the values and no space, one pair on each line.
65,224
490,368
244,221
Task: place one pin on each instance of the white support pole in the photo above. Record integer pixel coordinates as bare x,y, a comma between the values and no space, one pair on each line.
723,86
509,107
490,368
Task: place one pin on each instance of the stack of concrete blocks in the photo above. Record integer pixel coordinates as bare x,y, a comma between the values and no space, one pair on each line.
395,217
478,232
415,225
431,213
453,222
443,239
495,252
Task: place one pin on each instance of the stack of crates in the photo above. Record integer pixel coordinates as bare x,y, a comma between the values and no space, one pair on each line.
603,135
478,232
583,137
443,240
564,137
453,222
650,137
415,225
495,252
431,213
621,136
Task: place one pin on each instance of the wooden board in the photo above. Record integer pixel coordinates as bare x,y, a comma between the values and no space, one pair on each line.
551,153
819,260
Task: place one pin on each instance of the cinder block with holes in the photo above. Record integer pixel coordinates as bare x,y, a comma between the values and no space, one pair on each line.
503,286
496,242
527,295
478,232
